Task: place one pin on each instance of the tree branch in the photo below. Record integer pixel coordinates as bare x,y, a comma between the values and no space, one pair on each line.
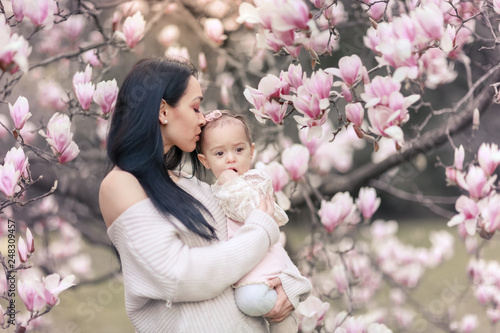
427,142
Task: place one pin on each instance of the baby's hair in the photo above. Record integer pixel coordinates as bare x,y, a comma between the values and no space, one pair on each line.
219,118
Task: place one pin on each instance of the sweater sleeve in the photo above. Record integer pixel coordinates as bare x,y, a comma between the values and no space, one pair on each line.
296,287
160,265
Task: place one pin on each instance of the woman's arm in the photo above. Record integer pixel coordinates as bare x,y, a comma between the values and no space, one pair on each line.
153,250
296,286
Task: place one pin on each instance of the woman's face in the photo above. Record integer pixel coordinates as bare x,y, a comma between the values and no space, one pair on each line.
185,120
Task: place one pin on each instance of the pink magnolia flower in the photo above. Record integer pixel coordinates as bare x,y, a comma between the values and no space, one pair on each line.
468,214
404,28
475,119
19,112
105,95
469,323
30,241
484,293
177,52
53,286
271,86
28,132
496,6
28,291
371,39
493,314
84,92
376,9
289,15
18,9
340,278
430,20
488,157
5,121
169,35
215,30
90,57
476,182
491,214
224,95
51,95
9,177
312,144
59,137
275,111
355,324
367,201
321,42
22,250
248,14
82,77
278,174
349,69
294,76
36,11
311,313
74,25
133,29
295,159
16,157
69,154
309,104
437,69
255,97
335,211
346,93
319,84
202,62
336,14
379,90
451,176
279,178
355,113
15,49
459,158
382,121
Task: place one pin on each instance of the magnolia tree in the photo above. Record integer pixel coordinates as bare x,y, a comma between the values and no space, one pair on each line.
323,80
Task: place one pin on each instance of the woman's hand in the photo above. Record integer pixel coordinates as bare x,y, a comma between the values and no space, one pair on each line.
283,306
266,204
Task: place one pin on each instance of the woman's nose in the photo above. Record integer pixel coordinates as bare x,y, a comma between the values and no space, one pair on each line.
201,119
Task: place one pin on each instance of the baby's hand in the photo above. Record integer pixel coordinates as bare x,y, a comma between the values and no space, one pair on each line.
226,176
266,204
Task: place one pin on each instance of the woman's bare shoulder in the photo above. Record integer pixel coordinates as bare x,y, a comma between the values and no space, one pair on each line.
119,190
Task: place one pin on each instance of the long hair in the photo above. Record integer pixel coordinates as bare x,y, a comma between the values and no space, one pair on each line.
135,142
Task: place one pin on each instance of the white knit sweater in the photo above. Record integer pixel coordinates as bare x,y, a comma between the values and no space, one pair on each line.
178,282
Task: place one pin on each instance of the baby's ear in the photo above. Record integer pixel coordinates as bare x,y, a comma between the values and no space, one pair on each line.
203,159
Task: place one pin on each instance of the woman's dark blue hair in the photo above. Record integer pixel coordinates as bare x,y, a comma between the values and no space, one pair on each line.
135,142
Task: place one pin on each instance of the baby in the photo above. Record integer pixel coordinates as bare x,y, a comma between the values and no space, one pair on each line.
226,148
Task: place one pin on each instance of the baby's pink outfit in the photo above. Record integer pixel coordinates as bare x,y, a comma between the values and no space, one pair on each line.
238,197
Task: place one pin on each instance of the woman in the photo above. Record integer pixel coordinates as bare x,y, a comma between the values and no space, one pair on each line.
178,265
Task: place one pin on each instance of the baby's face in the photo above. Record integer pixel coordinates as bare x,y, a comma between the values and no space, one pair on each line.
227,147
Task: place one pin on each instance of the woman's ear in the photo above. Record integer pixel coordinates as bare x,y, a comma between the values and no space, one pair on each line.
203,160
162,117
252,150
